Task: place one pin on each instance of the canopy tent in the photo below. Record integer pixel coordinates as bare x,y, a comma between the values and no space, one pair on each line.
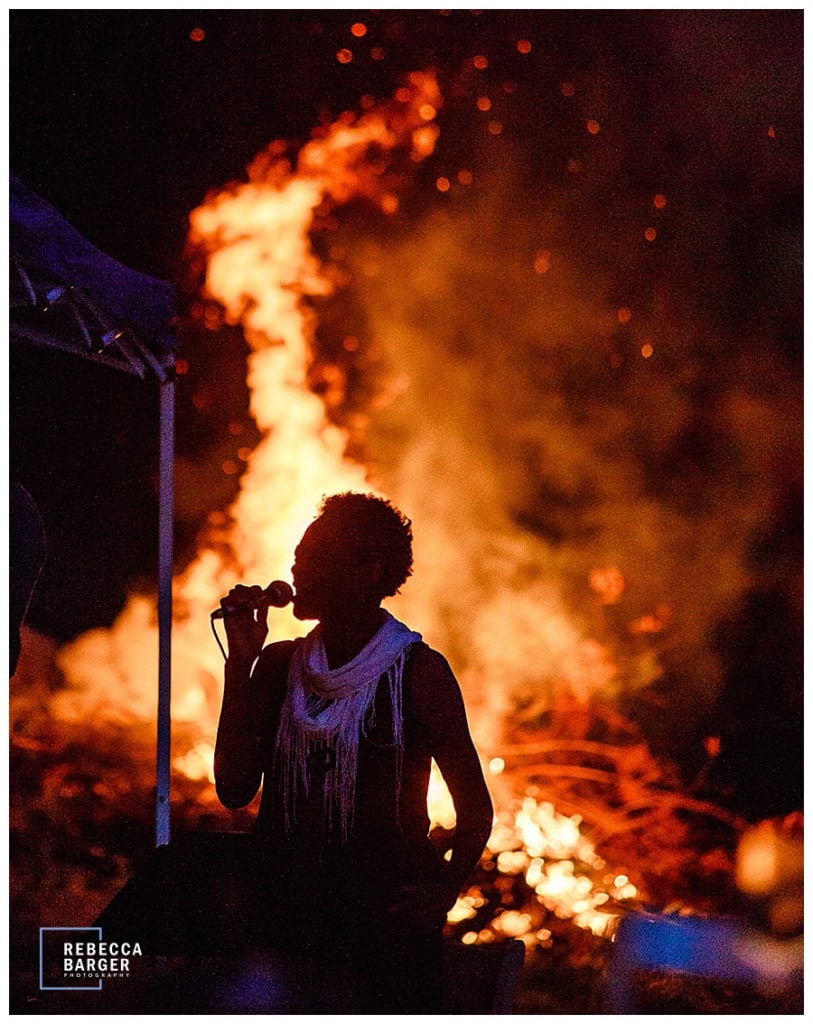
66,294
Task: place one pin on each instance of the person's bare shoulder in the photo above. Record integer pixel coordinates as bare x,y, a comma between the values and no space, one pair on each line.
276,654
427,659
434,688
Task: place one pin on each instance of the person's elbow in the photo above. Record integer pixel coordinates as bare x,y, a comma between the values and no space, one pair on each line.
234,797
486,821
475,815
482,812
234,789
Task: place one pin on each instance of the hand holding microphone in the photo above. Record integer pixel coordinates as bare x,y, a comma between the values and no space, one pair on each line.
277,594
247,632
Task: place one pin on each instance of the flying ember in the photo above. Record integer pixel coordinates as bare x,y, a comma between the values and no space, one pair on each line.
490,593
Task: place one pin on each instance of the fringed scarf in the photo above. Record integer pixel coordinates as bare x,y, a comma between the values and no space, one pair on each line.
330,710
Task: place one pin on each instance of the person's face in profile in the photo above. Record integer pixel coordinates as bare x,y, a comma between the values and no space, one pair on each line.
328,571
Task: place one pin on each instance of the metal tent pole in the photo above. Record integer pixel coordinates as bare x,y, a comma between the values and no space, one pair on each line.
165,559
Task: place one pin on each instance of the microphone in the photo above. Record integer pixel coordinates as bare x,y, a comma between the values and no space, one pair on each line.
277,594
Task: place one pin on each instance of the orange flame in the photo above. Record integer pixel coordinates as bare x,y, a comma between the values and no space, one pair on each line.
262,270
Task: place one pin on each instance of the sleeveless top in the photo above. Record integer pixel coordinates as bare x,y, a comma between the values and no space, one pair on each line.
389,843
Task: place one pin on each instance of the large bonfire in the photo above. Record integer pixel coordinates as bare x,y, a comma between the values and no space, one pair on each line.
589,822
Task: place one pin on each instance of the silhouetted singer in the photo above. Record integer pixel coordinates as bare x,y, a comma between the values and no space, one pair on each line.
340,727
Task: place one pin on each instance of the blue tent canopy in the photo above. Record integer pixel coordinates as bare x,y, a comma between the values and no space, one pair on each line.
66,294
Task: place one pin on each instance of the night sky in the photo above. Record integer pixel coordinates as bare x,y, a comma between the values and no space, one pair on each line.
124,121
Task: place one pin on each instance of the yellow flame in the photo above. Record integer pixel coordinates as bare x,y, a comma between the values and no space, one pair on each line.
261,269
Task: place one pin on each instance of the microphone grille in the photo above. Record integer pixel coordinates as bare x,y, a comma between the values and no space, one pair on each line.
279,593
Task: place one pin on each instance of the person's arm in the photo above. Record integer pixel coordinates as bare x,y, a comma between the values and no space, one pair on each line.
438,706
237,763
246,695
